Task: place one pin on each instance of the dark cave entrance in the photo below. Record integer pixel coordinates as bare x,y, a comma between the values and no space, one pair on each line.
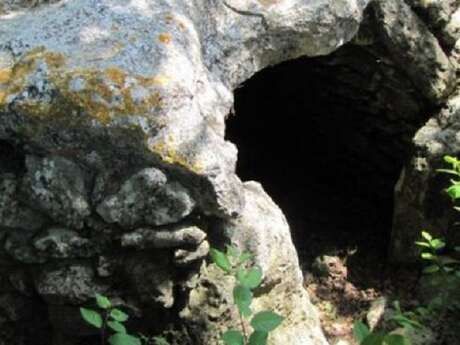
327,138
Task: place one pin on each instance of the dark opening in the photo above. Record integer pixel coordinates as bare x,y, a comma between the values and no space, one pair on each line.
327,138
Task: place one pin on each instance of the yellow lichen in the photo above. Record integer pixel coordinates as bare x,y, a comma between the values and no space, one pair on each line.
5,75
102,94
53,59
116,75
165,38
169,154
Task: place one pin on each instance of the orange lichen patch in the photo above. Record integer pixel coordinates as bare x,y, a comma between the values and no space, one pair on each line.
165,38
168,153
54,60
2,96
5,75
101,94
116,75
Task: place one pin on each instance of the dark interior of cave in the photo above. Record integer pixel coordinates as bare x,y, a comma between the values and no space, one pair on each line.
327,138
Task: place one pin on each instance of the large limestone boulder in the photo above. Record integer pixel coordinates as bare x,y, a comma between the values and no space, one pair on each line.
118,110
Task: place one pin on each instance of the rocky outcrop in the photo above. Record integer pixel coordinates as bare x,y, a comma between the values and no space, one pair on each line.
122,177
125,179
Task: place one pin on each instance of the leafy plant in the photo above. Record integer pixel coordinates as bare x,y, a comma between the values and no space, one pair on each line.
431,252
108,318
364,336
405,319
454,189
247,279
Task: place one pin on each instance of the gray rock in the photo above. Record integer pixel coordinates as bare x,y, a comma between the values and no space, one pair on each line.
159,89
106,266
146,198
442,17
152,278
179,236
275,253
22,282
60,242
12,213
14,307
56,186
419,203
412,45
184,257
115,86
66,284
376,312
19,245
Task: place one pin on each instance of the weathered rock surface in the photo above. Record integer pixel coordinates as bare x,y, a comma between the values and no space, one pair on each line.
180,236
412,44
419,201
147,198
66,284
63,243
282,285
120,109
56,186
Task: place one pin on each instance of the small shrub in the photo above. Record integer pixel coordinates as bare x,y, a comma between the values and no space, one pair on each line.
109,319
247,279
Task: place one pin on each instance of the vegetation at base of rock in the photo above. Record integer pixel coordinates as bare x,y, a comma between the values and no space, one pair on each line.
234,263
405,320
109,318
364,336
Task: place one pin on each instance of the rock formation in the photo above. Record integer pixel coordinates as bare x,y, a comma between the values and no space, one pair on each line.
115,176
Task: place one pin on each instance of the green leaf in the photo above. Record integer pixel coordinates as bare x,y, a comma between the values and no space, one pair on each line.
360,331
426,235
116,326
451,160
457,249
118,315
396,339
92,317
232,337
449,171
220,259
243,298
258,338
406,322
423,244
428,256
266,321
103,302
250,278
431,269
437,243
124,339
373,339
454,191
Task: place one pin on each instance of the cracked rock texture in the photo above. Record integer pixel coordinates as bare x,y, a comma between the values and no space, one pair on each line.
116,176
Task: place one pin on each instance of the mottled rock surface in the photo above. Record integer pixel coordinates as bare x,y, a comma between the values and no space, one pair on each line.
125,178
119,108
